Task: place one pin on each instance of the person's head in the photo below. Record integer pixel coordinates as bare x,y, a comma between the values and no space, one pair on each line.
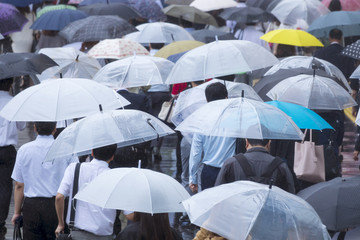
257,143
5,84
105,153
155,226
335,5
335,35
284,50
216,91
45,128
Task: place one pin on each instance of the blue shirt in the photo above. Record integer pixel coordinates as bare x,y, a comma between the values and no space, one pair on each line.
216,150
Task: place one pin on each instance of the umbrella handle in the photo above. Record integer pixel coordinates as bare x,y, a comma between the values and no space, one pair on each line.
148,121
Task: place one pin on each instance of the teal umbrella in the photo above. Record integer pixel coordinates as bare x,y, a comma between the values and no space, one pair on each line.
303,117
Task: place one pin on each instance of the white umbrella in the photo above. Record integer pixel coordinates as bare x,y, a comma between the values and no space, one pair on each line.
311,63
123,127
161,32
313,92
220,58
209,5
61,99
356,73
72,64
241,118
117,49
245,210
134,189
193,98
134,71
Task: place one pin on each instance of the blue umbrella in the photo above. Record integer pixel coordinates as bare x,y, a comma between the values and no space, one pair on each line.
176,56
21,3
56,20
303,117
89,2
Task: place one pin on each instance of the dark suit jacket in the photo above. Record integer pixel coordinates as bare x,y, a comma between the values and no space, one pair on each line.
332,54
137,101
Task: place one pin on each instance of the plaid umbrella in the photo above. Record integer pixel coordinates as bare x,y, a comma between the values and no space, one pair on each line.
352,50
21,3
122,10
96,28
52,8
11,20
57,19
148,9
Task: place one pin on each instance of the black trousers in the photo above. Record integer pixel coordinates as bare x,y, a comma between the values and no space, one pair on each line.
40,219
208,176
7,161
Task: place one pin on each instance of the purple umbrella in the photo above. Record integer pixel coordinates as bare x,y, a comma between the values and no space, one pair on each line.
21,3
11,20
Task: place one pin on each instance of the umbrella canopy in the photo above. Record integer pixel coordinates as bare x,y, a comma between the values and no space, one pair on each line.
356,73
209,5
120,9
96,28
347,22
117,49
333,201
352,50
19,64
179,2
161,32
314,92
21,3
241,118
190,14
134,72
90,2
140,190
220,58
263,4
346,5
208,36
303,117
246,15
177,47
57,19
61,99
289,12
248,210
72,64
148,9
121,127
54,7
191,99
292,37
311,63
11,20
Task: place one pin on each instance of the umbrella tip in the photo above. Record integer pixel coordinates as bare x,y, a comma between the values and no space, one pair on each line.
77,58
139,164
61,75
242,93
172,37
134,53
100,107
271,183
216,38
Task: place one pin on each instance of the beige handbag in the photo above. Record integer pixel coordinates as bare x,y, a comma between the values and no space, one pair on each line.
309,161
166,111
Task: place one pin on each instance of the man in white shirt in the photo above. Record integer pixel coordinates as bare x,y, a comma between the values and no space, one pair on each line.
250,33
36,183
8,141
91,222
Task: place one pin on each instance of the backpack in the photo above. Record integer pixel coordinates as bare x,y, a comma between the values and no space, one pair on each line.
267,176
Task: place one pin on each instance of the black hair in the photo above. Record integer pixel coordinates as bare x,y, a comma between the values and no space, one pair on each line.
335,34
153,226
335,5
104,153
5,84
45,128
258,142
215,91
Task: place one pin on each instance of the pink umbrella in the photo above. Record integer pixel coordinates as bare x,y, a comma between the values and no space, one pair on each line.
347,5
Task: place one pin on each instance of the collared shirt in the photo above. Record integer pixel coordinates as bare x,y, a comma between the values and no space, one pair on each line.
88,217
8,130
41,179
216,150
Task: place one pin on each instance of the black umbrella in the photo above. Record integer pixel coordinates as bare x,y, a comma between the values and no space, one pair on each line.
19,64
246,15
122,10
207,36
266,83
352,50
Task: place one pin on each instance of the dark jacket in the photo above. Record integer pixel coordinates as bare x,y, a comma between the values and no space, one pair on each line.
137,101
132,232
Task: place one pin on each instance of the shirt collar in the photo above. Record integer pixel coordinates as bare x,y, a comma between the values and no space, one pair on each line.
44,137
99,162
257,149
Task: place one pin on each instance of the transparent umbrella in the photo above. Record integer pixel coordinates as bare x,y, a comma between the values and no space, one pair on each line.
241,118
123,127
134,72
245,210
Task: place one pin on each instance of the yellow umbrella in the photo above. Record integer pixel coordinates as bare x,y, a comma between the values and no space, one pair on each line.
177,47
292,37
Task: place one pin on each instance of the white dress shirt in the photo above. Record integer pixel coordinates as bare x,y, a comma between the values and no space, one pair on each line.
41,179
8,130
250,33
88,217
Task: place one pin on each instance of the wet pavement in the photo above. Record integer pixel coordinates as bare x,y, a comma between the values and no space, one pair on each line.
168,166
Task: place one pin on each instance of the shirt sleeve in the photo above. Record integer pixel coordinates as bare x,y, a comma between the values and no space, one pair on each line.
20,125
67,181
17,173
195,157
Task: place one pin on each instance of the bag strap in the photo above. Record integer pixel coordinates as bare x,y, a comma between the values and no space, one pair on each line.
271,167
74,191
171,106
244,163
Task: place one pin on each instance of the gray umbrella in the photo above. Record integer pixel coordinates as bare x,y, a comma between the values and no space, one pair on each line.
97,28
122,10
352,50
207,36
336,202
